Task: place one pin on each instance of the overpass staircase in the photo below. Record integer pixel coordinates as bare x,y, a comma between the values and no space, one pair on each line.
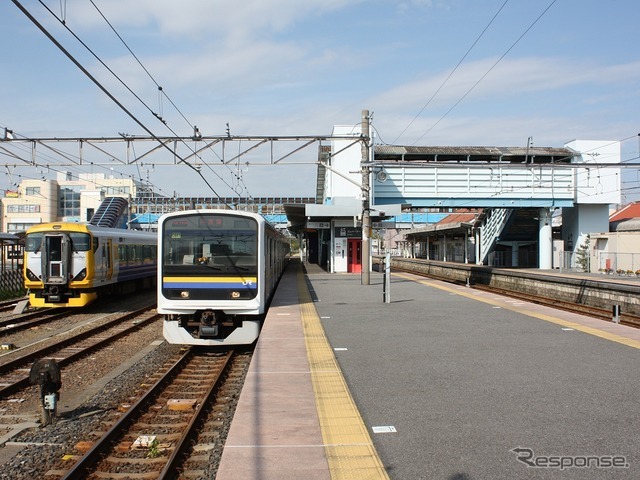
506,225
110,213
492,222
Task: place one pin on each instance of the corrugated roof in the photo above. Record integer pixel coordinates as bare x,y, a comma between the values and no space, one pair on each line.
458,218
481,153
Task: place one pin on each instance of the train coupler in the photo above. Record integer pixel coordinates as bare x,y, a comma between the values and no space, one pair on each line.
209,324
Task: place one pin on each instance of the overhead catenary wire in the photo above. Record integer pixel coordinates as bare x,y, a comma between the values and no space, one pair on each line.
109,94
486,73
452,72
161,114
161,90
161,93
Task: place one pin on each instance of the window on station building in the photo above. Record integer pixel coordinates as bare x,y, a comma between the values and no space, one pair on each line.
18,227
69,205
23,208
32,191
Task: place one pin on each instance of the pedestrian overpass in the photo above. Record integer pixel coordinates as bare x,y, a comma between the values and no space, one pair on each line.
582,178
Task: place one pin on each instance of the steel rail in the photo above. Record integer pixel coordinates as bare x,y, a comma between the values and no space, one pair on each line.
90,459
169,471
95,454
31,320
628,319
25,359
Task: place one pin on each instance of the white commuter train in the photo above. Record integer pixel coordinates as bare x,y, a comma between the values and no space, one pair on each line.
70,264
217,272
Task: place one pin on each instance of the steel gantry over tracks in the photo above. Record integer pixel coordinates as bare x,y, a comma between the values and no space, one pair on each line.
172,150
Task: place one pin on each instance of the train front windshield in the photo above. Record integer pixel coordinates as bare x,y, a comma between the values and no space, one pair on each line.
210,245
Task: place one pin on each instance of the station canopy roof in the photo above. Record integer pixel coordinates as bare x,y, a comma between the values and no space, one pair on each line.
296,217
453,224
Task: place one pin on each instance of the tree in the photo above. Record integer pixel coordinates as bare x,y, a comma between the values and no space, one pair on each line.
583,257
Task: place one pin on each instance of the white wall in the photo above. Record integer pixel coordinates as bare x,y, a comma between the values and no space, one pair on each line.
597,185
582,220
346,162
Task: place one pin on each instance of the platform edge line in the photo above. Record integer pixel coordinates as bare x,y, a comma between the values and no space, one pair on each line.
343,464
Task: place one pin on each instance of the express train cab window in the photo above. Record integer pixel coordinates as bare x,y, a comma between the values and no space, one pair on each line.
81,242
33,242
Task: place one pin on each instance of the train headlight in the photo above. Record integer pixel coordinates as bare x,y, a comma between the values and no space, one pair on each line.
81,276
184,294
235,294
32,276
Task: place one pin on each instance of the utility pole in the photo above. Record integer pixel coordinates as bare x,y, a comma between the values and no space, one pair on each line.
366,212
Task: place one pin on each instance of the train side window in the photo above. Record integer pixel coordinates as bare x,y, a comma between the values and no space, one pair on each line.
95,244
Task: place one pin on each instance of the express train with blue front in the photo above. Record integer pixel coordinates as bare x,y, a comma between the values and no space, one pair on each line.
217,272
70,264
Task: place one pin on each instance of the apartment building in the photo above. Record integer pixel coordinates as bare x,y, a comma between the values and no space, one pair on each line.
68,198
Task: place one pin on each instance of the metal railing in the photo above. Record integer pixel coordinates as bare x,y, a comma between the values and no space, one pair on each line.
491,229
621,263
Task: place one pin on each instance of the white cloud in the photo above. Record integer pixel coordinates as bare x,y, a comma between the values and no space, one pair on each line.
508,78
236,21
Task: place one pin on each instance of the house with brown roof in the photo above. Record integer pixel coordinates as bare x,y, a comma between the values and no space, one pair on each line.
618,250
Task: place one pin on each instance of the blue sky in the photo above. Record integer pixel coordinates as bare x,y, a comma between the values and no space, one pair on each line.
287,67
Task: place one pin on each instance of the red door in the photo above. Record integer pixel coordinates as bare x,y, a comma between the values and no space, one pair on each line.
354,255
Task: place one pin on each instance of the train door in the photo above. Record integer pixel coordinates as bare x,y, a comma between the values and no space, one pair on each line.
354,255
109,259
55,259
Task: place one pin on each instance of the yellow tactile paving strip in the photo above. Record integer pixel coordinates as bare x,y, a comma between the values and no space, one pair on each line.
348,446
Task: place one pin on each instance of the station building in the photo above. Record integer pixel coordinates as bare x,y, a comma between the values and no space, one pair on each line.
66,199
512,197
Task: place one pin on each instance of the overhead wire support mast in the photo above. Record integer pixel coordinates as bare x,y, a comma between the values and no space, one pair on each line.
366,210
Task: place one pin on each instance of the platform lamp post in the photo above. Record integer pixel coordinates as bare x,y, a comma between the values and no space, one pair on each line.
366,212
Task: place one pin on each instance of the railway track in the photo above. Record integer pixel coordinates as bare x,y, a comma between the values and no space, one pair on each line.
32,319
8,305
171,427
14,374
625,318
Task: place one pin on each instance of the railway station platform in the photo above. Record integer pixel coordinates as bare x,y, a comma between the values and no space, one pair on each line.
443,382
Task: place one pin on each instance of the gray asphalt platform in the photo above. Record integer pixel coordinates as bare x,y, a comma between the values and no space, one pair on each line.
470,391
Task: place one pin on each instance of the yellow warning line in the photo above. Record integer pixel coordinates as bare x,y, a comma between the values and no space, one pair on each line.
630,342
348,446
